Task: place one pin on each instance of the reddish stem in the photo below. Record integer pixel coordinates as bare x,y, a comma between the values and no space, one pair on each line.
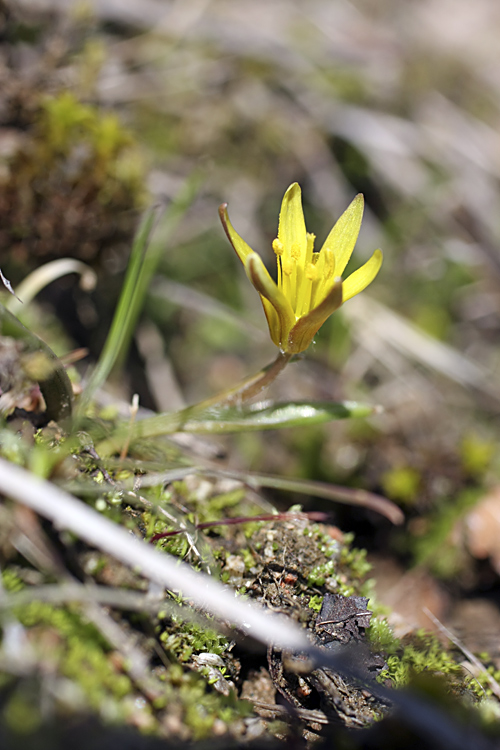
312,516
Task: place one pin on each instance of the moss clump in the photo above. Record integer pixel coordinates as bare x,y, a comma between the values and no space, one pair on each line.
319,574
422,661
79,651
342,568
11,581
69,186
476,454
435,546
184,639
188,696
315,603
424,653
381,636
248,558
20,714
75,648
402,483
354,558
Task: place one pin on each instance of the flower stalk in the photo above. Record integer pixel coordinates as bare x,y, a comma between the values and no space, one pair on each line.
250,387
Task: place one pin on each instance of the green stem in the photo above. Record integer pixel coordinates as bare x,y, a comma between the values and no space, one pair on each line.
166,424
249,387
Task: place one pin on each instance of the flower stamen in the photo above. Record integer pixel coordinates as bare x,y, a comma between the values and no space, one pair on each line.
278,247
306,279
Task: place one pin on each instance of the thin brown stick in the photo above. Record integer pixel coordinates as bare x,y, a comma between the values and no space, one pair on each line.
310,716
312,516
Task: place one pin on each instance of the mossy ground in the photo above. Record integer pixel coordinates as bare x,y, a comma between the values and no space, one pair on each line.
198,672
86,104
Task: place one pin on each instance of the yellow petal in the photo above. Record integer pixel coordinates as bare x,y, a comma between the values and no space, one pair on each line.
260,278
240,246
359,280
308,325
292,228
273,321
344,234
326,271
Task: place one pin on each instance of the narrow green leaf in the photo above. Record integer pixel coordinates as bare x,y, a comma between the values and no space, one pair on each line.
267,416
118,335
275,416
143,262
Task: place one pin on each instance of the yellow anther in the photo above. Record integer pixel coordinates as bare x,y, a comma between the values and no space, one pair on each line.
311,272
287,266
310,241
278,247
295,253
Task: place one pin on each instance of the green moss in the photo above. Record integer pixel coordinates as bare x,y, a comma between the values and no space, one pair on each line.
315,602
222,502
75,183
402,483
79,650
178,545
344,568
20,714
184,639
198,704
424,654
354,559
248,558
11,581
435,547
420,652
318,575
326,545
13,448
381,636
476,454
483,678
65,122
251,528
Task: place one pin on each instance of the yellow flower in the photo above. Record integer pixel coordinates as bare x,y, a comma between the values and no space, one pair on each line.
309,286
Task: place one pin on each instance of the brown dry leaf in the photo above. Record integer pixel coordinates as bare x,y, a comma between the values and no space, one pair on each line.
18,372
408,594
482,529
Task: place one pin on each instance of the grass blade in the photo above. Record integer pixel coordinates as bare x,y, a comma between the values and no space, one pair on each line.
118,336
143,263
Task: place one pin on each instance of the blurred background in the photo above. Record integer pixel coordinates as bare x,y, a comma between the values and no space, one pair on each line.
111,106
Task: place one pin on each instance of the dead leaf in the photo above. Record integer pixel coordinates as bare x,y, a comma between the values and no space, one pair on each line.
482,529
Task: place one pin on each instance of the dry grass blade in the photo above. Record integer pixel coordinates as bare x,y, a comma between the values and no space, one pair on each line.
374,321
133,601
346,495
